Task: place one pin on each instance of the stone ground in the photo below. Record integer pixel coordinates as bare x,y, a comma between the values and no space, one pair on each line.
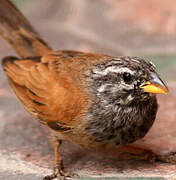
102,27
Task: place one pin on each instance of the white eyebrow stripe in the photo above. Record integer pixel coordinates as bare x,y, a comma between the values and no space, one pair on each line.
152,64
114,69
135,60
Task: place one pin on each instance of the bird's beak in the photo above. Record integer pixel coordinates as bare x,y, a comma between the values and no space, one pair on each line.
155,85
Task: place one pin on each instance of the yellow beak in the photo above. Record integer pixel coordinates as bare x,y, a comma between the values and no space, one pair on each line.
155,85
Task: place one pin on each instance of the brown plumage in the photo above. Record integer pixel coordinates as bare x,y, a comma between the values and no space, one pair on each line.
87,99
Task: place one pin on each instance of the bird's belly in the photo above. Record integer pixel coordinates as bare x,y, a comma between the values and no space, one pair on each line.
112,128
106,138
124,127
122,136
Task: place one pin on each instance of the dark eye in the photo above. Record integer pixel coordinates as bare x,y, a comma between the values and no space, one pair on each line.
127,77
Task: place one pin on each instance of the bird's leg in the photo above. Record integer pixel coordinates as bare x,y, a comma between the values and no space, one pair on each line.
59,168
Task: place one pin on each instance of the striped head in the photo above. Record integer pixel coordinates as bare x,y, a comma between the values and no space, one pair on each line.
125,80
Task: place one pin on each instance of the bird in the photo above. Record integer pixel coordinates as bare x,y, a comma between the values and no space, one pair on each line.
92,100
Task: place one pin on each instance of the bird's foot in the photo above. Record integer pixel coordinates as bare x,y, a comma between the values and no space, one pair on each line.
60,174
168,158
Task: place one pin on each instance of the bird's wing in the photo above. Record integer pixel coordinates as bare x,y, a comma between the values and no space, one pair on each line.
45,87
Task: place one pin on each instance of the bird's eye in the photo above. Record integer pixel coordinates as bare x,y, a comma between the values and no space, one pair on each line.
127,77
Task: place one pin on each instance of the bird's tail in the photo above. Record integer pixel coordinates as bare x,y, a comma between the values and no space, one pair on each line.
19,33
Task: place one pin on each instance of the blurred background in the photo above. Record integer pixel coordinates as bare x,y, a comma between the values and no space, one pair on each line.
113,27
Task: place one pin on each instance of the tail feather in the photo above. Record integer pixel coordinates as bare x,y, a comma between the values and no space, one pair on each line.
8,59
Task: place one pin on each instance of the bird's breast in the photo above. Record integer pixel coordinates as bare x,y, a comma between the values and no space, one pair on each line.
120,125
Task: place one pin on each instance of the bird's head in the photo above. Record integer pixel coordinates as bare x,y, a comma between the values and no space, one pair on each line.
126,80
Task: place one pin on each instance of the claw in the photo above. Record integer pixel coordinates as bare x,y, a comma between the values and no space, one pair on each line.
168,158
60,174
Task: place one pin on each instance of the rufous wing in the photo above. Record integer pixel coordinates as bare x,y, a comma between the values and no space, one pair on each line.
45,90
